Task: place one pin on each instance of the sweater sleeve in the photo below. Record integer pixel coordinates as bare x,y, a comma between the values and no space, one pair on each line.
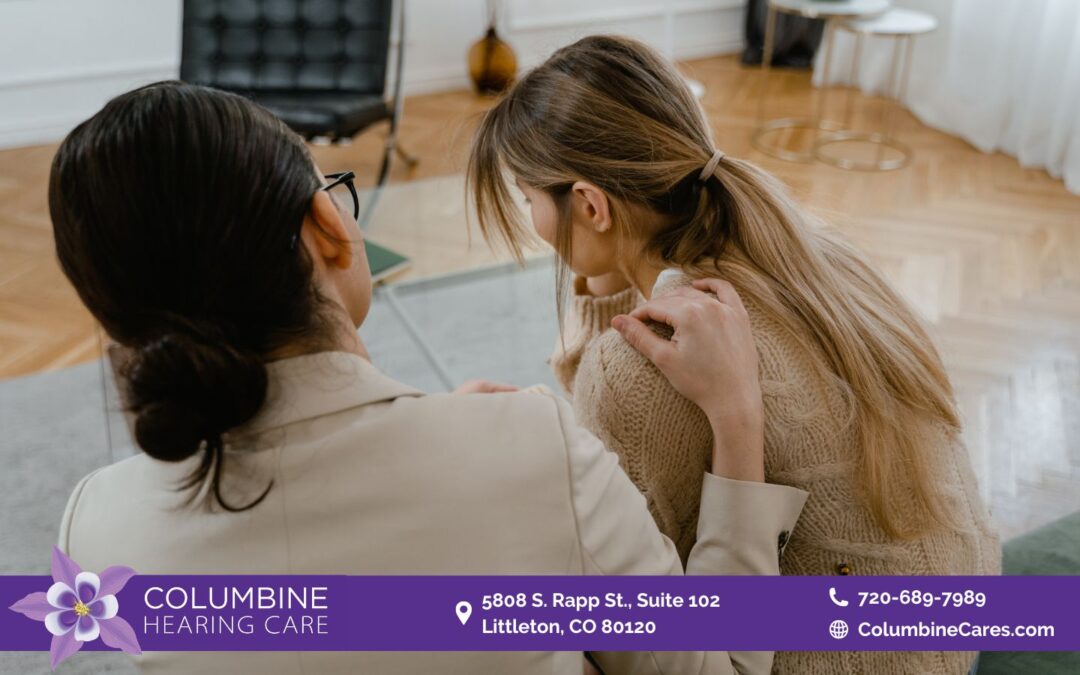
589,316
664,441
737,534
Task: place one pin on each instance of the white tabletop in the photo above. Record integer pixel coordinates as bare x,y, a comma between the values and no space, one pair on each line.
896,21
823,9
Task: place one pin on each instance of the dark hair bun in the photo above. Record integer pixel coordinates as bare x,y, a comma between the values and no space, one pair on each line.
196,283
189,387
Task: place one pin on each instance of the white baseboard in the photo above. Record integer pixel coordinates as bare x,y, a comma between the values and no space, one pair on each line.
38,132
43,108
730,44
608,16
453,78
434,80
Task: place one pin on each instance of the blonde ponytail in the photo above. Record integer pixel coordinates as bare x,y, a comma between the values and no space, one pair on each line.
611,111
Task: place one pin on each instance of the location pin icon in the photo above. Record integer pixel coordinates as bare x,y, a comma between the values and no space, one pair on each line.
464,611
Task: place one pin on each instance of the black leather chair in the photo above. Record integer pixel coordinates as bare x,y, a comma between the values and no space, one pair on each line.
320,65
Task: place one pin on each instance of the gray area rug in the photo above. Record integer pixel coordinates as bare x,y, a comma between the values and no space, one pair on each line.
497,323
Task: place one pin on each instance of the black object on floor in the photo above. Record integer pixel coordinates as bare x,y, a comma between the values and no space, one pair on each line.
794,44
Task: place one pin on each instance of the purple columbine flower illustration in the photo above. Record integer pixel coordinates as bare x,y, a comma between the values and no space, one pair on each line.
80,607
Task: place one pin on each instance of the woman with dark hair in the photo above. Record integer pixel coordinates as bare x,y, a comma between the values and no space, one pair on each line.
198,231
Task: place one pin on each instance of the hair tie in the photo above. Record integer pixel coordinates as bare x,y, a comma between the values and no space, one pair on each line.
711,165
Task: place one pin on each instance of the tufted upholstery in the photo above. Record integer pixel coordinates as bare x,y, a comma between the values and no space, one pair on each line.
318,64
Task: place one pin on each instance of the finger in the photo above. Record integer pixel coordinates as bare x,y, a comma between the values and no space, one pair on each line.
466,387
723,291
488,387
484,387
642,338
496,387
666,309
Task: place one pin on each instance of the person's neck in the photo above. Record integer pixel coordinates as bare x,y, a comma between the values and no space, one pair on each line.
644,278
343,337
352,343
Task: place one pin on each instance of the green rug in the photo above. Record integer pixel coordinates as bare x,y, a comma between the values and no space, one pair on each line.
1050,550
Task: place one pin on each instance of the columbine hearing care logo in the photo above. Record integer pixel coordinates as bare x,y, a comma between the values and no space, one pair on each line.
80,607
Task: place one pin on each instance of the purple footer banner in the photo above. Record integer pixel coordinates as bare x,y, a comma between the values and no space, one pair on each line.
359,613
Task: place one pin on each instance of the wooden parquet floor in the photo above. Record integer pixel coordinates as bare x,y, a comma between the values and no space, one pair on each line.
987,251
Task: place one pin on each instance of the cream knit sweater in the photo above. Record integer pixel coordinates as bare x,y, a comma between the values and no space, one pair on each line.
665,444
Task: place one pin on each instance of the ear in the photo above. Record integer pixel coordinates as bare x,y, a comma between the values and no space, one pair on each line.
590,206
325,232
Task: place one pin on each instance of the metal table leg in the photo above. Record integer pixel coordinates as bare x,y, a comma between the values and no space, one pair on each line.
816,123
883,139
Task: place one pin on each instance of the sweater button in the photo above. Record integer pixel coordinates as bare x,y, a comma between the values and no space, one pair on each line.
843,569
782,542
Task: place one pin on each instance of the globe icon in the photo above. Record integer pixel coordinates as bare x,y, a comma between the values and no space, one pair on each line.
838,629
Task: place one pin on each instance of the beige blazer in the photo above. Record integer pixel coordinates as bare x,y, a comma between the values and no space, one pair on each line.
373,477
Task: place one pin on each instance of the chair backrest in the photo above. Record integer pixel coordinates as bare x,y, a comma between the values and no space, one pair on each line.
287,45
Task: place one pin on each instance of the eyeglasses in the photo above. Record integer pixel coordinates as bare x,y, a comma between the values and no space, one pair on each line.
345,178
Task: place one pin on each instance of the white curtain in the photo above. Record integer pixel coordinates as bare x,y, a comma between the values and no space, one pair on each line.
1002,74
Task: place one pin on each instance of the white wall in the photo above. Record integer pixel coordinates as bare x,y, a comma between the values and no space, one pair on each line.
60,60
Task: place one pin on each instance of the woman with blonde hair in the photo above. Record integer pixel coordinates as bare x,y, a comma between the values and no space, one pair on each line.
618,166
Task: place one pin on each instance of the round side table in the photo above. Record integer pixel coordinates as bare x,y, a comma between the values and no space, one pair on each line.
832,11
900,25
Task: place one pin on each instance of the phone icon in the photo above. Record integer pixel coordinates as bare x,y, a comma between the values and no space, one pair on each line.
836,601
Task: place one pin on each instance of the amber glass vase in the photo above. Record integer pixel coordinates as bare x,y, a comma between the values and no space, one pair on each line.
492,64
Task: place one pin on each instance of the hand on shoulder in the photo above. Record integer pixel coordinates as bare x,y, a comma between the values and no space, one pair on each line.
711,360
